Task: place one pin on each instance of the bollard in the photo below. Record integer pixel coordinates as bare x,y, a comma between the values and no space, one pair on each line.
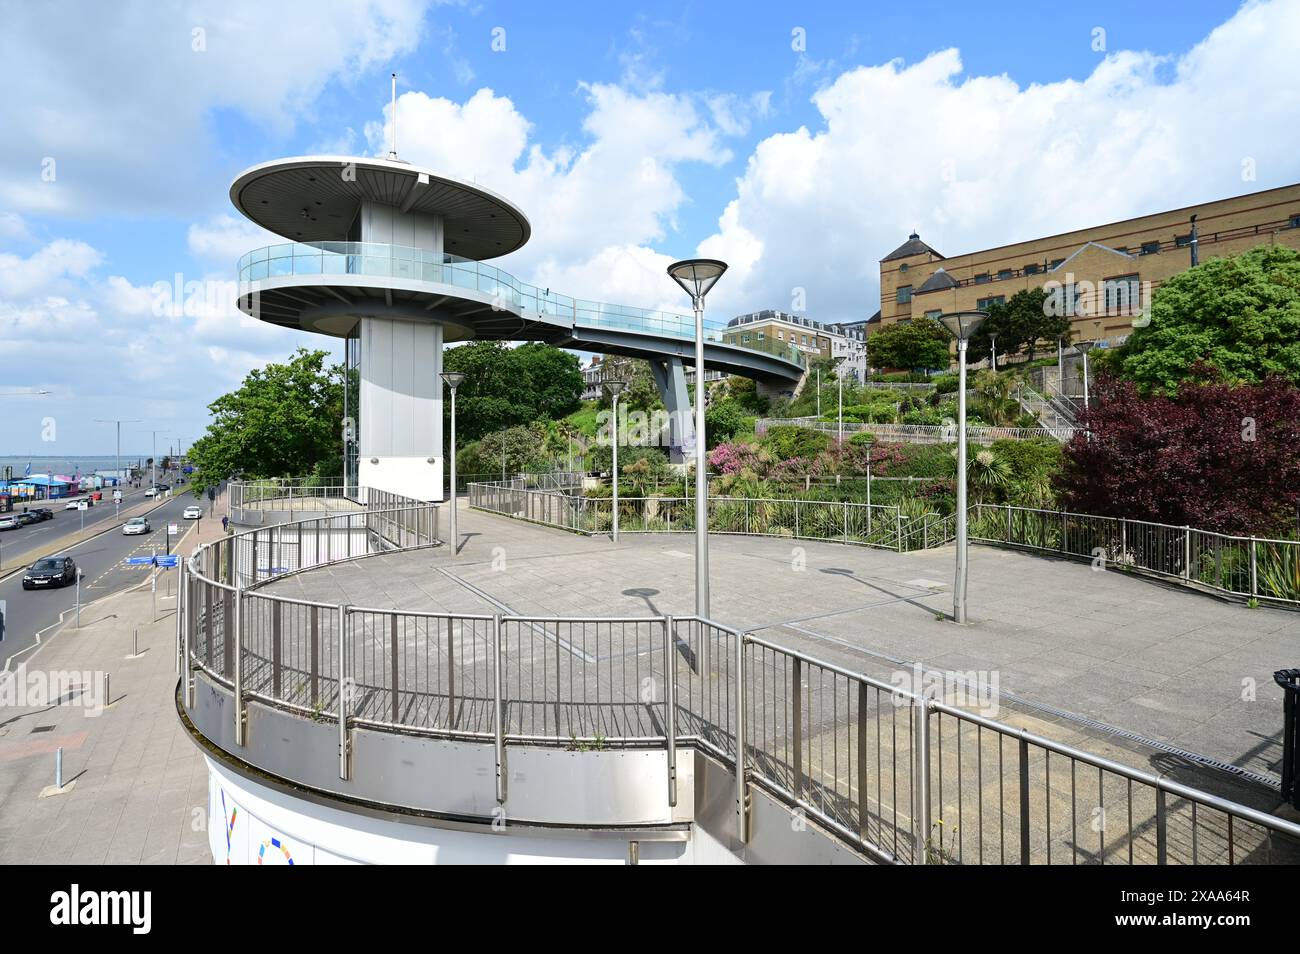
58,768
135,641
108,698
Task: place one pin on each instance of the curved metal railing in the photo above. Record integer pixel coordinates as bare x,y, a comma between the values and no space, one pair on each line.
887,766
416,264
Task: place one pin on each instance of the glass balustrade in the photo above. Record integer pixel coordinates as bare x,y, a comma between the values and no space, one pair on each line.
404,263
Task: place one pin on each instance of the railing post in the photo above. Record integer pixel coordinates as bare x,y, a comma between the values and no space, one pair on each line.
1024,801
796,518
344,691
921,814
796,694
1187,553
898,527
1162,828
182,611
1254,579
238,627
846,520
742,782
498,726
670,706
1008,523
1123,541
451,675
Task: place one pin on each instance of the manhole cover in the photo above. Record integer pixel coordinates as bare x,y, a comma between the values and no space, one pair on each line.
42,728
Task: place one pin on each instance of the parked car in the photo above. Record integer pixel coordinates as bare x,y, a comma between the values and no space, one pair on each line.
10,521
43,513
136,525
151,492
193,513
50,572
26,518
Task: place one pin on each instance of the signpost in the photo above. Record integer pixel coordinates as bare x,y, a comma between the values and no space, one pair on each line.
172,530
82,507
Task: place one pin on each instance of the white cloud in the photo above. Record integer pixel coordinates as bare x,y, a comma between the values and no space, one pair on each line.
223,239
58,260
121,99
978,161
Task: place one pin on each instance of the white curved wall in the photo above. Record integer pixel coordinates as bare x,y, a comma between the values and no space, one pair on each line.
250,823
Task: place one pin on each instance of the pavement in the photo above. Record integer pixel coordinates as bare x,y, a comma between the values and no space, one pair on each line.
135,786
1071,649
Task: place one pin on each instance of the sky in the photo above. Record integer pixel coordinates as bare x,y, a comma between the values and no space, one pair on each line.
800,143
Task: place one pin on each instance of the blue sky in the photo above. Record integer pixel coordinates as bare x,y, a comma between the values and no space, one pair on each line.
630,134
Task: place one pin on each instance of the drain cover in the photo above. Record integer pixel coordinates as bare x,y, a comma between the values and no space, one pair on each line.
42,728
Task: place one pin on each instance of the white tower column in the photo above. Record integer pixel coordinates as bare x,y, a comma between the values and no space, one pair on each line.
400,432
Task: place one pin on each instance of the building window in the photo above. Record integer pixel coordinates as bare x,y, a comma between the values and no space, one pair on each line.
982,278
745,340
934,315
1122,294
1123,249
1182,241
1056,262
781,335
1150,248
982,304
903,295
1031,268
1004,274
904,267
1295,221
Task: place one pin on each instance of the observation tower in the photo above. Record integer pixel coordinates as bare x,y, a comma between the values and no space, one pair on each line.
394,258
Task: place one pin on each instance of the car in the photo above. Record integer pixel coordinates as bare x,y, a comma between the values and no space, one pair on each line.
193,513
73,505
50,572
136,525
43,513
26,518
151,492
10,521
164,486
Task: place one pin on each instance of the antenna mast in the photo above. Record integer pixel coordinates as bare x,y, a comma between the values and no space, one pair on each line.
392,151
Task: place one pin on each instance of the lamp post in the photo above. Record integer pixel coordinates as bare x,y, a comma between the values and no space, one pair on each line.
615,388
993,352
453,380
119,442
961,324
819,392
696,277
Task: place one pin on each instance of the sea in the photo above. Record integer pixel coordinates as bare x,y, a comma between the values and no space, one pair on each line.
68,465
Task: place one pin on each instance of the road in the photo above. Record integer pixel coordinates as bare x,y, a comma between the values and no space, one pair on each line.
24,543
29,612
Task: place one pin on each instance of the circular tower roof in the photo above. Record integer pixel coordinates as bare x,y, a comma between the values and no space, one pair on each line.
315,199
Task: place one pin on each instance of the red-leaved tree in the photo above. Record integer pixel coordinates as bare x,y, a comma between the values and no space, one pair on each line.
1217,457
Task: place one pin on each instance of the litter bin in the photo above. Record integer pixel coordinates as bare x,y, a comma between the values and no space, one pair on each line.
1289,680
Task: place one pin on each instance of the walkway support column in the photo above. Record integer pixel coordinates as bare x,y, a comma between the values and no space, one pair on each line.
670,378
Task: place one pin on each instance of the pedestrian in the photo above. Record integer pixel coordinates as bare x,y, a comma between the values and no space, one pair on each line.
225,524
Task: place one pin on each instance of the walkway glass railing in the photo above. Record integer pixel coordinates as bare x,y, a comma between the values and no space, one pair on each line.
416,264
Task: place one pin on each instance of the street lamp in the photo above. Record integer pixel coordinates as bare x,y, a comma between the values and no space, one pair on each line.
615,388
961,325
453,380
839,380
696,277
993,352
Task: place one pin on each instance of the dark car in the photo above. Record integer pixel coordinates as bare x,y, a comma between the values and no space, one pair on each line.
50,572
43,513
26,517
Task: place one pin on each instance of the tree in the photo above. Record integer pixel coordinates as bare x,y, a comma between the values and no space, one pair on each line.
641,392
1020,322
1215,456
506,386
283,421
1238,315
919,343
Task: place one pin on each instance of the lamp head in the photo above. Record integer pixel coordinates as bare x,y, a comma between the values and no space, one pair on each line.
453,378
1083,347
615,388
696,275
962,324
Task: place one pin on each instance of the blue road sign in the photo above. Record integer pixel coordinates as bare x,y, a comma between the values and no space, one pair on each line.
163,560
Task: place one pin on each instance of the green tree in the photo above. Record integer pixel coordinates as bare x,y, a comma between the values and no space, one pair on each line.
920,343
283,421
1239,316
507,386
1019,323
641,393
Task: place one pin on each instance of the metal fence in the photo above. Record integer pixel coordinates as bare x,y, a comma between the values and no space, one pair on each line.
1248,567
920,433
892,770
873,525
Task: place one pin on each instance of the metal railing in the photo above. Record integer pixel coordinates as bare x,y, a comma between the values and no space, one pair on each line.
1248,567
417,264
920,433
873,525
894,772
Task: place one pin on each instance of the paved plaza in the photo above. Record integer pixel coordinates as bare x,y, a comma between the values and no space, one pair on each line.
1069,646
